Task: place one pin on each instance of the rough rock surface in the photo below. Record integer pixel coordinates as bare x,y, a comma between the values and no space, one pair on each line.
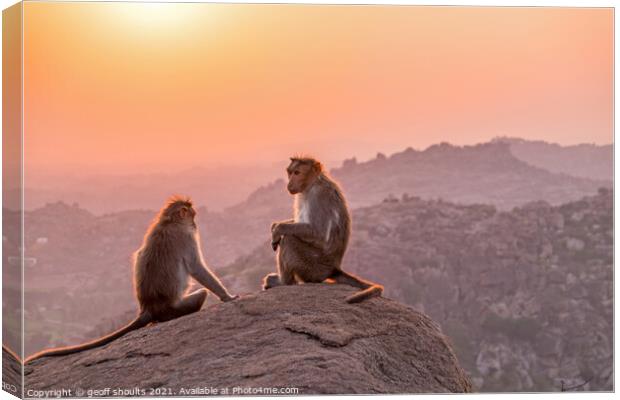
11,372
304,337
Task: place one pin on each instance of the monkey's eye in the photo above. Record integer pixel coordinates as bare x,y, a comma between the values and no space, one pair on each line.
296,172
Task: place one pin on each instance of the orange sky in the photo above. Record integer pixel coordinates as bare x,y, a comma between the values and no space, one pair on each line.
112,85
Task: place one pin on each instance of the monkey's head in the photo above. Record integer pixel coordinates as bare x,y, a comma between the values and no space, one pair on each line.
302,173
180,210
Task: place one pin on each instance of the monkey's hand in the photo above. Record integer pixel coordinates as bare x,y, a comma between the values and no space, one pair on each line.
276,235
229,298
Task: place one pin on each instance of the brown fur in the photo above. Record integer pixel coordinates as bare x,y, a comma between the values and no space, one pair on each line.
312,245
169,254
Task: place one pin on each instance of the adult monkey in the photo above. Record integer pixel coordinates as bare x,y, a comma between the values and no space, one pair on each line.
169,255
312,244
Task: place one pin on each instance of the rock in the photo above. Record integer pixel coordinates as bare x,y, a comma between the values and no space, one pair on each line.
305,337
575,244
349,163
11,372
546,251
558,221
578,216
603,191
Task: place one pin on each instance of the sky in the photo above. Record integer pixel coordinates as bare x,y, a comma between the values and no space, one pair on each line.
123,87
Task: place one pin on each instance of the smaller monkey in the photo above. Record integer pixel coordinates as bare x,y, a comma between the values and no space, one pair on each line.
312,244
169,255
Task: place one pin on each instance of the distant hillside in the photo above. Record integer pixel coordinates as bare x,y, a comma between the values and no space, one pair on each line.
485,173
526,295
582,160
215,188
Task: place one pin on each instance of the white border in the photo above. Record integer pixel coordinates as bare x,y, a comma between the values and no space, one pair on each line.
505,3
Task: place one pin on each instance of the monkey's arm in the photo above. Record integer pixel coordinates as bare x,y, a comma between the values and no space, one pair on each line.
275,240
301,230
197,268
286,221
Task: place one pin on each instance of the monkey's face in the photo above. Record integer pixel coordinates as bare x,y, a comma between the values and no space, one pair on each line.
300,177
187,214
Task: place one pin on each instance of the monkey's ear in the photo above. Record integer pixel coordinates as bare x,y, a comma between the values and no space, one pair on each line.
317,167
183,212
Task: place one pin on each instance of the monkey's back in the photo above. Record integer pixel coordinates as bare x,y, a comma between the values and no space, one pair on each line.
332,214
159,276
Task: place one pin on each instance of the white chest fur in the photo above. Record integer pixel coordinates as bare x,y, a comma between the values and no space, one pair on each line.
302,209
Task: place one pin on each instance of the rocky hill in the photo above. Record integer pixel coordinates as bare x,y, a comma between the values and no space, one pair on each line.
486,173
526,294
305,339
483,174
582,160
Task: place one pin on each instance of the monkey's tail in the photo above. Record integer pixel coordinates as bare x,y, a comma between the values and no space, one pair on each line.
369,289
141,321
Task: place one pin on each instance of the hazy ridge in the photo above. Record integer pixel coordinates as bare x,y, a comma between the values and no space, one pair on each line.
223,187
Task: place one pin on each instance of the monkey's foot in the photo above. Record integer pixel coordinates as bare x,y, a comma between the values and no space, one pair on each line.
229,298
271,280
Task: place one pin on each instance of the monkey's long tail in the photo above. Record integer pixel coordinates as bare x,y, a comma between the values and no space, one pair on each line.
141,321
369,289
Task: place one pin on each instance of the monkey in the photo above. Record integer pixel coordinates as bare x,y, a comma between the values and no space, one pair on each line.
310,247
169,254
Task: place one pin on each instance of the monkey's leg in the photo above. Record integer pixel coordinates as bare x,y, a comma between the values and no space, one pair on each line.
304,260
287,261
271,280
187,305
284,276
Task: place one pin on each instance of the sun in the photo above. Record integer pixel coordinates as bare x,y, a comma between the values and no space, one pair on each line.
156,16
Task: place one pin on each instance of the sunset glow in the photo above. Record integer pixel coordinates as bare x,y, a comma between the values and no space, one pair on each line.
112,85
154,15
